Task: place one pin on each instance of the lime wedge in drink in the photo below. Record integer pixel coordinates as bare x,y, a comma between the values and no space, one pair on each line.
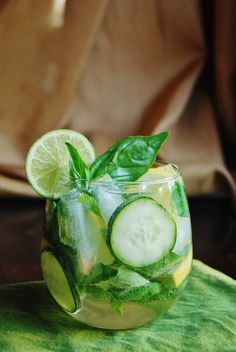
171,195
178,275
59,281
182,270
47,162
158,173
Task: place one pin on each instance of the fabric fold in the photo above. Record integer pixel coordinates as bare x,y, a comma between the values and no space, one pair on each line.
202,320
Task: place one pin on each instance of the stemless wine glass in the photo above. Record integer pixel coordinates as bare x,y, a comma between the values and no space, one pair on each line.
116,255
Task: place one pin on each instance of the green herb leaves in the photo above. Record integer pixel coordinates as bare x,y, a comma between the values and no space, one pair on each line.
100,165
126,160
78,168
129,158
140,294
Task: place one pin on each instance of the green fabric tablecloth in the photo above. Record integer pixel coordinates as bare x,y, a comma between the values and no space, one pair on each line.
204,319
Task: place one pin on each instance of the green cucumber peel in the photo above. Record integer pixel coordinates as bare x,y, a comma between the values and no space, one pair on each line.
179,200
113,220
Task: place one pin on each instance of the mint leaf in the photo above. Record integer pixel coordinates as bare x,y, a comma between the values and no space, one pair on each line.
129,158
141,294
116,305
171,292
159,268
97,292
78,168
100,164
89,202
100,293
99,273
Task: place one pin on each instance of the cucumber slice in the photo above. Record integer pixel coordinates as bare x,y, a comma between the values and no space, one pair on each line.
59,281
179,200
184,235
141,232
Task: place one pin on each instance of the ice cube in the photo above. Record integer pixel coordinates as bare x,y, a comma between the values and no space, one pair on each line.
108,195
83,230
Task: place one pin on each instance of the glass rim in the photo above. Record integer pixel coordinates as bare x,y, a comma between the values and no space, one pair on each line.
177,173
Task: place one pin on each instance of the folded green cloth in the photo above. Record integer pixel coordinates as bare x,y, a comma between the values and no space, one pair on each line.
204,319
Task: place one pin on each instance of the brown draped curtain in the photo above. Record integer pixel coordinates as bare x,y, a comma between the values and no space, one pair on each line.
110,68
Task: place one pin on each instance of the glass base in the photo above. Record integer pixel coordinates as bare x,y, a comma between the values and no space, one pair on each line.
99,313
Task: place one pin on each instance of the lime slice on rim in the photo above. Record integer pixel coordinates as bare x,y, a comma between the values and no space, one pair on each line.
47,162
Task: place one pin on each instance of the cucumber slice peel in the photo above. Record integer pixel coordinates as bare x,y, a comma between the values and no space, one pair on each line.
179,200
59,281
141,232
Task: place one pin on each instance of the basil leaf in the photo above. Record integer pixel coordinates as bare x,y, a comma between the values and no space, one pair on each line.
134,156
100,165
89,202
78,168
129,158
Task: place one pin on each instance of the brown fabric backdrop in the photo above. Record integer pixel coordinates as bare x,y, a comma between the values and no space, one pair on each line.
115,68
